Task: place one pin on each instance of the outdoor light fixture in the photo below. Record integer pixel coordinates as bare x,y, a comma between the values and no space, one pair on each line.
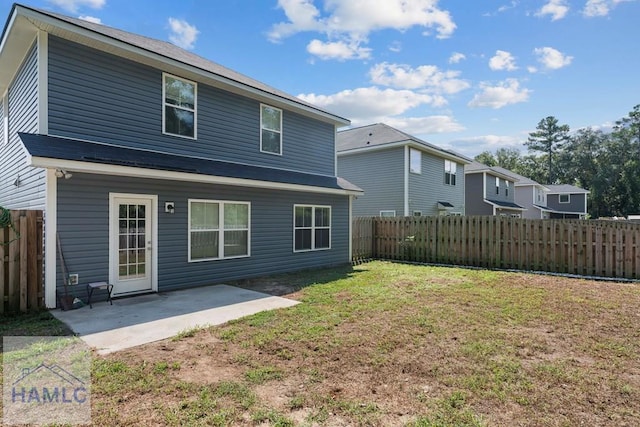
60,173
17,181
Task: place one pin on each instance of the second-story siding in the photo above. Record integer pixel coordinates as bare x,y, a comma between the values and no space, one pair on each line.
101,97
428,188
576,203
475,204
381,175
21,186
501,195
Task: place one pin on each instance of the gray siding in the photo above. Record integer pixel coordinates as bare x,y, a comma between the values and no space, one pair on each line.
502,195
524,197
381,175
23,117
576,203
428,188
83,226
474,195
100,97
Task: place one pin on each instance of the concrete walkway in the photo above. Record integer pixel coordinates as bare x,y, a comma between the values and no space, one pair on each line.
142,319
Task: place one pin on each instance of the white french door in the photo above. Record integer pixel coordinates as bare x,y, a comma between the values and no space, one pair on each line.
131,247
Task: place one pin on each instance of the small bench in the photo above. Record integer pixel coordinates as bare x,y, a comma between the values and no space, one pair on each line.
99,285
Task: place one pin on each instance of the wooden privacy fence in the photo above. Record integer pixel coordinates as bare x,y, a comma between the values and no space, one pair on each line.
581,247
21,252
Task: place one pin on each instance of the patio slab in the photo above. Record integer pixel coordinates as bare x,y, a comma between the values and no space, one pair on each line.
138,320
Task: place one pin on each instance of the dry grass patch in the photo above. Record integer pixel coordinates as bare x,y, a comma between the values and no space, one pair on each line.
390,344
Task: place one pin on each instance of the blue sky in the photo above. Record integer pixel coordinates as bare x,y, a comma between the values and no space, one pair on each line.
463,74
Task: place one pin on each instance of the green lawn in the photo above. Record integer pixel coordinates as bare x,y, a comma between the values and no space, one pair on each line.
390,344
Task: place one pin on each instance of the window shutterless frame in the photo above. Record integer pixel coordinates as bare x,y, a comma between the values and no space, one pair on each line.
415,161
450,170
179,107
270,130
388,213
218,229
564,198
311,228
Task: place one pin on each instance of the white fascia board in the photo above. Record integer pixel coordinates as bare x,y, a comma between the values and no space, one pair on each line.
225,81
495,205
117,170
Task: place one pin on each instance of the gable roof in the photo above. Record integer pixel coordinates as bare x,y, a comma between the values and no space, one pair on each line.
477,167
521,180
380,135
82,156
566,189
24,22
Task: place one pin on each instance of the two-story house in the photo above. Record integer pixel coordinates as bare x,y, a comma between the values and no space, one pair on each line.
548,201
158,169
529,194
567,201
490,192
400,174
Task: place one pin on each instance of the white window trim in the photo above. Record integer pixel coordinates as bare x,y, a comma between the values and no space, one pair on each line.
388,211
271,130
221,229
560,198
417,213
417,171
313,228
195,107
448,166
497,185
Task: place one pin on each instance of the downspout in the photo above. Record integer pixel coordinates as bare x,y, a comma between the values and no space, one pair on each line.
50,180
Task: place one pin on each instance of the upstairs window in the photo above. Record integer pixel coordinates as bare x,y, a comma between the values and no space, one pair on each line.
564,198
270,130
312,228
415,161
450,172
179,107
506,190
497,185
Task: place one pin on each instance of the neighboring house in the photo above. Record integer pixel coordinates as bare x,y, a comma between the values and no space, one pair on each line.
548,201
567,201
529,194
401,175
490,192
157,168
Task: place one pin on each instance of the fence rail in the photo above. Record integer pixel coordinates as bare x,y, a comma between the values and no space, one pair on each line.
21,266
581,247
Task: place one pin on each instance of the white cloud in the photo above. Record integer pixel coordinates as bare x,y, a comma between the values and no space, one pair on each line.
558,9
551,58
595,8
367,102
503,61
472,146
500,95
72,6
91,19
337,50
428,77
423,125
456,57
396,46
353,20
182,34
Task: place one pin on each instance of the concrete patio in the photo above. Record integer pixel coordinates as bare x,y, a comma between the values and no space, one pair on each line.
138,320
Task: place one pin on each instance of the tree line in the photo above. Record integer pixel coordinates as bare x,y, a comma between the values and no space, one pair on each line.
605,163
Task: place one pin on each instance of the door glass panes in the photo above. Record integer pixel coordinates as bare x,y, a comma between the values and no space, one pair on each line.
132,241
